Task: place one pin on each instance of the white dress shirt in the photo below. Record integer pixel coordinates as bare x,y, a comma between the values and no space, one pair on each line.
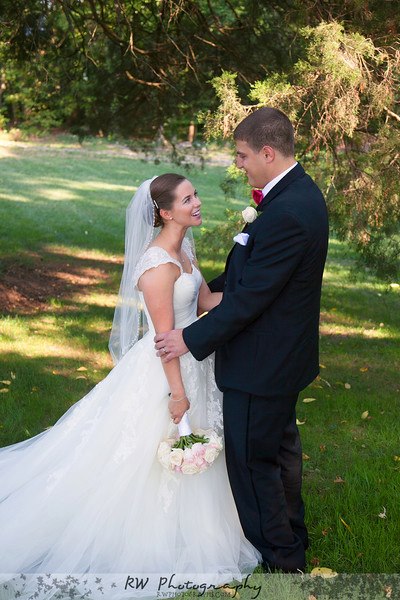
274,181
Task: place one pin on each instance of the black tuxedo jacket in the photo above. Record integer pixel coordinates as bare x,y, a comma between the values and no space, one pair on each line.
265,330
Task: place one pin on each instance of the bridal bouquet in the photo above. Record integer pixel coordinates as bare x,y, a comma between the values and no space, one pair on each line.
192,452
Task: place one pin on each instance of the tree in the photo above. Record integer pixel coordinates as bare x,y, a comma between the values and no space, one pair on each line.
42,75
129,66
342,96
166,51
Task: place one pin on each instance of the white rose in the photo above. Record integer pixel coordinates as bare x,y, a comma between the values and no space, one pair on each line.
163,450
249,214
197,447
176,457
189,468
211,454
216,441
164,461
188,454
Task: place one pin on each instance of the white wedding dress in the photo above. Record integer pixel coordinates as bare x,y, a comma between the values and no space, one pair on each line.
86,506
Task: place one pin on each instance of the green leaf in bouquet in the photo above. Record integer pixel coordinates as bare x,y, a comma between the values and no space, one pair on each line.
187,441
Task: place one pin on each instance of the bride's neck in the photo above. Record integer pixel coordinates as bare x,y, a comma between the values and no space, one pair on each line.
171,238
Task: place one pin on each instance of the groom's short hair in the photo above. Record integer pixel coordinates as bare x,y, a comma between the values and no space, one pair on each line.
267,127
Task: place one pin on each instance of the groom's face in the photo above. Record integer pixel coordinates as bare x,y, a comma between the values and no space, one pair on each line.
255,164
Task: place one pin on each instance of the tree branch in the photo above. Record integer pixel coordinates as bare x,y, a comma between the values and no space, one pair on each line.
149,83
391,113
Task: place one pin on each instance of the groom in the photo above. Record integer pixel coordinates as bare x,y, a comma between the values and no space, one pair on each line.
265,335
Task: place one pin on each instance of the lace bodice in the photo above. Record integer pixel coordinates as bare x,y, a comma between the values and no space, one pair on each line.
186,287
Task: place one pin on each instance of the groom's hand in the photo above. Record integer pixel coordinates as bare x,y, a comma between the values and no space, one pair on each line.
170,345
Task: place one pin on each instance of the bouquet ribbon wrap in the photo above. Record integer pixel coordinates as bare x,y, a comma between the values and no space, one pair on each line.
184,426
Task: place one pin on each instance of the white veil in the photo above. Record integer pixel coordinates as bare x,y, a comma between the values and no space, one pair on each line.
139,231
130,321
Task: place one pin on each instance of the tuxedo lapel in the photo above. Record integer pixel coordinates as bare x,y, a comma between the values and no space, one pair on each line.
228,258
296,172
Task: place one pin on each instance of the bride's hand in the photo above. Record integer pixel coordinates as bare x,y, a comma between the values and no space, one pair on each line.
177,408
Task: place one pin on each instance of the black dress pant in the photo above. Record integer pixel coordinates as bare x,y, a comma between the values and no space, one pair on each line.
264,461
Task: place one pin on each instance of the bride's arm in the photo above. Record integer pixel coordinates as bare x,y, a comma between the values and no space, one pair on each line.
207,299
157,285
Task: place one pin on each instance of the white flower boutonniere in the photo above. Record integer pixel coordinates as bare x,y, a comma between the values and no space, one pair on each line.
249,214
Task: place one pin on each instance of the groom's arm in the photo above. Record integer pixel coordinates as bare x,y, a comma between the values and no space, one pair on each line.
217,284
278,248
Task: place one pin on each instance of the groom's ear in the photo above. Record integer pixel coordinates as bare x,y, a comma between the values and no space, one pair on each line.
269,153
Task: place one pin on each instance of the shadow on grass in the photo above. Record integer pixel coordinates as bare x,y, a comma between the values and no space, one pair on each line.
28,284
40,393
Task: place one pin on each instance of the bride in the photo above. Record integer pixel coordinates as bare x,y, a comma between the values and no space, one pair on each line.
85,507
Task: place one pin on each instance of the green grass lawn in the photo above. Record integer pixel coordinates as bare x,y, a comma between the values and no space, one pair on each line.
62,229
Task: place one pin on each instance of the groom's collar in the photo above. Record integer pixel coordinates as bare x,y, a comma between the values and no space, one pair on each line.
266,189
291,174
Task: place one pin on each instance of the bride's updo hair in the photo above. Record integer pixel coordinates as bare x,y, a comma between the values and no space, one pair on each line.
162,191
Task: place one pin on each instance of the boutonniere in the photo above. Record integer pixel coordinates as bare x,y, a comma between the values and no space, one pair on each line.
249,214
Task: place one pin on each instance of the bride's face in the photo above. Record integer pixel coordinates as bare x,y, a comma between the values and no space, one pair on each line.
186,207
